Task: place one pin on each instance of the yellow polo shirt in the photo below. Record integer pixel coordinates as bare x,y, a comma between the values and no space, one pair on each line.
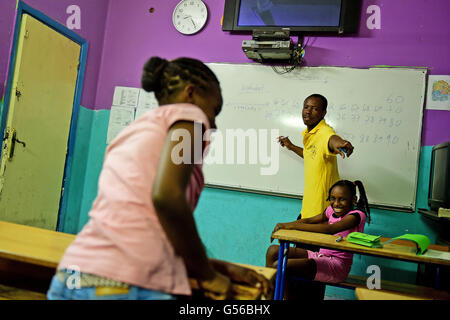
321,170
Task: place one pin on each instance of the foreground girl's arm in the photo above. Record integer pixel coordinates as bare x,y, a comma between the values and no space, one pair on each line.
176,217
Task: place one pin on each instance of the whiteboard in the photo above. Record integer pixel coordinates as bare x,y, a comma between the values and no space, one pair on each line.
379,110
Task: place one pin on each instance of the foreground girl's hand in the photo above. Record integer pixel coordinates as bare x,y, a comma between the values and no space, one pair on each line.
217,288
243,275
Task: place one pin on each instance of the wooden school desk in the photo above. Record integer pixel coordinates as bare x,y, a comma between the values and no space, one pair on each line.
398,250
29,257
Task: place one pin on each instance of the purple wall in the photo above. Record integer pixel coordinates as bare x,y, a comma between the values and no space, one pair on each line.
93,19
7,15
413,33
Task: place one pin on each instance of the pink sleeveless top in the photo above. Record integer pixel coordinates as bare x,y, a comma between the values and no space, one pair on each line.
124,240
346,256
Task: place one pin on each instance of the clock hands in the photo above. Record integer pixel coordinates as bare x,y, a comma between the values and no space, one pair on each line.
192,20
193,23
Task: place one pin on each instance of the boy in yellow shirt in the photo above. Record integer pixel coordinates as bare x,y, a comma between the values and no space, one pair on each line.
321,145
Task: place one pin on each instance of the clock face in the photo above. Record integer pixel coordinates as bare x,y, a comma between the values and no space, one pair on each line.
189,16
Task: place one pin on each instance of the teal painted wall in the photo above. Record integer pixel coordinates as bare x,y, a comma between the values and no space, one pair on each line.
89,150
236,226
97,148
75,190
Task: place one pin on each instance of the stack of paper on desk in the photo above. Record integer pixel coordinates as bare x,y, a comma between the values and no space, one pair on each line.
364,239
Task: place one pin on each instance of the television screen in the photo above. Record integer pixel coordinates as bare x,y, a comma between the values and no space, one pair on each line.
273,13
439,194
326,16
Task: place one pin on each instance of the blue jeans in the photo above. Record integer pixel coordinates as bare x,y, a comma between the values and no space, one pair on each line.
59,291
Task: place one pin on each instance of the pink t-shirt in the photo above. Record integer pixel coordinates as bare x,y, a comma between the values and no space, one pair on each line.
346,256
124,240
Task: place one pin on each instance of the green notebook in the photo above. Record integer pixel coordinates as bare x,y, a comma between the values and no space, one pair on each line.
364,239
422,242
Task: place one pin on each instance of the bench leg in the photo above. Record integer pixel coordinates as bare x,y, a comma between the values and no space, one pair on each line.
437,277
281,270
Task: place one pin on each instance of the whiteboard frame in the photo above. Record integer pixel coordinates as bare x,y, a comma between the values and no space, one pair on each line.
383,206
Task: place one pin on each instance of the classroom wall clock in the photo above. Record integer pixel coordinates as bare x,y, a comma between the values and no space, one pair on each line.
189,16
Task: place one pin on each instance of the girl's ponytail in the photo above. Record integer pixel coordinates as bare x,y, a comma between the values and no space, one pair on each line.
152,74
363,203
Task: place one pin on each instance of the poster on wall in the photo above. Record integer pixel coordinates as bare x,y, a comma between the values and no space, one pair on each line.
119,118
438,93
128,105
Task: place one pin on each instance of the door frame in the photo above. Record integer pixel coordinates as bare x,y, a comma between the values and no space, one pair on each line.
23,8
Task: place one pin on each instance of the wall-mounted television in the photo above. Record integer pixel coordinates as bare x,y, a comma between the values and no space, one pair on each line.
439,190
299,16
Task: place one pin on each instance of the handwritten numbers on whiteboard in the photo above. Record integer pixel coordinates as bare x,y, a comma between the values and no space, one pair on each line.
74,20
374,20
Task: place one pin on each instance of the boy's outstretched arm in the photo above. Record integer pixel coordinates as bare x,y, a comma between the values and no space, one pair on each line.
337,145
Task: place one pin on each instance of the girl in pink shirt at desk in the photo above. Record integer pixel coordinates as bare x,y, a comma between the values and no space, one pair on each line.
141,241
339,219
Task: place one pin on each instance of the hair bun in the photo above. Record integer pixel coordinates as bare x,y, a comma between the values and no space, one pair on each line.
152,72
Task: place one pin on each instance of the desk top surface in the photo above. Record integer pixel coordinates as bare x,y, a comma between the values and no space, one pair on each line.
46,247
32,245
401,250
43,247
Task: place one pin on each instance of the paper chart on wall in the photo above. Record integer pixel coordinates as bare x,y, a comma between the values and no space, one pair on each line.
146,102
438,92
141,111
128,105
126,97
119,118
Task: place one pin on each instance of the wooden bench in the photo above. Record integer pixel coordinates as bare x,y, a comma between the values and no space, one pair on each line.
360,282
368,294
12,293
387,288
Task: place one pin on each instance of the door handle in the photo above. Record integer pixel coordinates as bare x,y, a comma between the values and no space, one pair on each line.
12,146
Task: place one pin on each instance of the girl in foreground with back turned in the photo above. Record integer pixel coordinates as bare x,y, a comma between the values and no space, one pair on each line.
339,219
141,241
